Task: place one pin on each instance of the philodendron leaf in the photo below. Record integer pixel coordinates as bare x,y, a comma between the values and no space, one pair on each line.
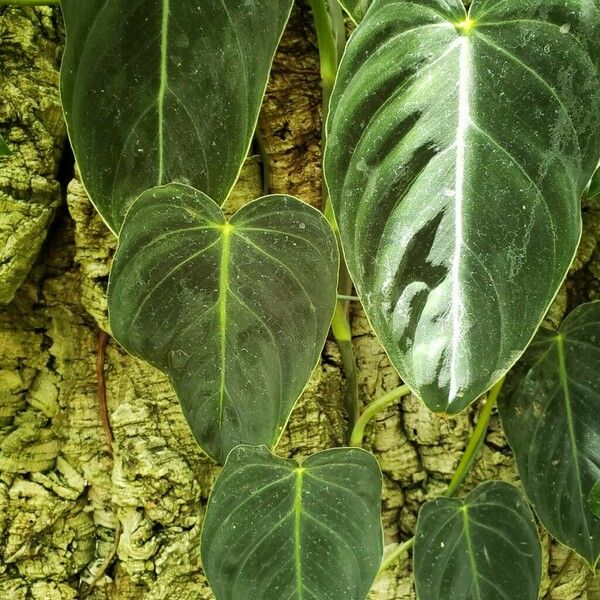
161,91
483,548
277,530
595,185
458,148
550,409
4,149
235,312
594,499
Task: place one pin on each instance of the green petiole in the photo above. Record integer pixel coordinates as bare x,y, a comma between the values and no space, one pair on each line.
372,409
329,25
468,458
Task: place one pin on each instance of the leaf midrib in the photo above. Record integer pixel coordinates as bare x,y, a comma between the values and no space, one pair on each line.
467,529
164,74
464,109
564,384
222,303
298,530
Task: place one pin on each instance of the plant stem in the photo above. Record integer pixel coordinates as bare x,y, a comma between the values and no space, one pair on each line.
103,339
395,555
464,467
29,2
340,325
264,161
468,458
328,50
331,36
372,409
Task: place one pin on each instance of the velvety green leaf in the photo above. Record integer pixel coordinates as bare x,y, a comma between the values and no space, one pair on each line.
277,530
162,91
595,185
459,147
594,499
550,409
356,8
483,548
235,312
4,150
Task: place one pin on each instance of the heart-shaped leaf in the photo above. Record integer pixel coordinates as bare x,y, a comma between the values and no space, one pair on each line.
235,312
161,91
277,530
458,148
483,548
550,409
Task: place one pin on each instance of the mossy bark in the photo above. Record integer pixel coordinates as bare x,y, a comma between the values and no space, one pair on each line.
125,517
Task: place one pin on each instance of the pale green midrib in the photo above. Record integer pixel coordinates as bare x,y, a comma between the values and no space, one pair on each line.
456,293
164,44
222,303
467,529
298,530
564,384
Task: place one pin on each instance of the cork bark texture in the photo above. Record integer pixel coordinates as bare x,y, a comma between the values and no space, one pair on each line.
81,517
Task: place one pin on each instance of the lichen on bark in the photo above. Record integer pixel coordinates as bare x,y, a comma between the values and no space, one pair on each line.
32,124
71,511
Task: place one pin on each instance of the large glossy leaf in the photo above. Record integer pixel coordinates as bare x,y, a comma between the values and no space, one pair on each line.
459,147
550,409
156,91
483,548
235,312
277,530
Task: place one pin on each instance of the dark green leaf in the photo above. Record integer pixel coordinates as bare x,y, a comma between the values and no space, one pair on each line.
4,149
595,185
594,499
235,312
167,90
485,548
276,530
550,408
459,147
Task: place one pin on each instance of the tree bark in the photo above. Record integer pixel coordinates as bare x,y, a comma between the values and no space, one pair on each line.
112,509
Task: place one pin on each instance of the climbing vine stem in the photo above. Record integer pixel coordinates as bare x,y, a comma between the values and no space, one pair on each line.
466,464
372,409
101,388
103,339
468,458
328,48
331,37
395,555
